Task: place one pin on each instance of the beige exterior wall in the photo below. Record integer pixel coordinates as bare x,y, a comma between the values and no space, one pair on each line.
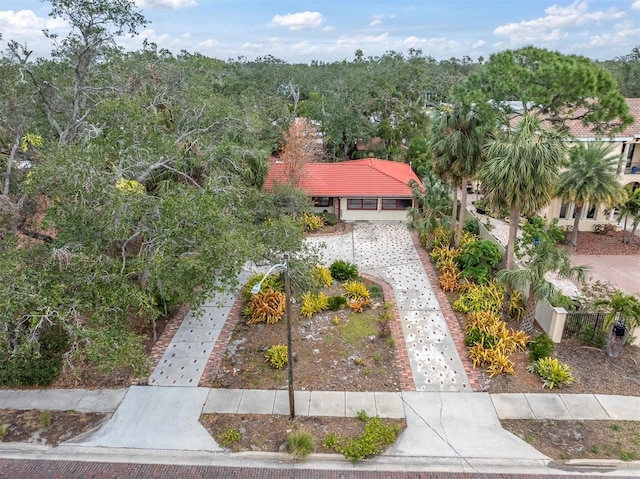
601,215
370,215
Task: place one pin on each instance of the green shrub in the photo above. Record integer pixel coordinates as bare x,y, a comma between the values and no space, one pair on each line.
343,270
591,336
230,436
472,225
475,336
334,303
552,372
478,259
376,437
560,300
330,218
276,356
300,444
45,419
4,430
540,347
375,291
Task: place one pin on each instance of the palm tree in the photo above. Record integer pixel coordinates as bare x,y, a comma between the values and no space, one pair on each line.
457,142
544,258
432,204
630,209
590,178
624,311
520,174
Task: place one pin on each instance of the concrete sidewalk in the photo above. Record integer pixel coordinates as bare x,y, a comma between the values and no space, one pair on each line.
334,403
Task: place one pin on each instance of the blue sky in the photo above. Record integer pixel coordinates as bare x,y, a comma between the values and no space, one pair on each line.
330,30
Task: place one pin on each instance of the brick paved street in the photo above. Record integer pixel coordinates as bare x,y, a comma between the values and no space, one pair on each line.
21,469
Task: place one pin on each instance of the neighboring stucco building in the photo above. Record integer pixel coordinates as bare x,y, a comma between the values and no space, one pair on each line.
627,144
357,190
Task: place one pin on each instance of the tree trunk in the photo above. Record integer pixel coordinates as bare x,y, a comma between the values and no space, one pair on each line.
624,231
514,219
454,210
576,226
528,320
463,212
12,156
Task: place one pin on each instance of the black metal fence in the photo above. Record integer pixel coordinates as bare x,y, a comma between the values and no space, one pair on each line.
584,325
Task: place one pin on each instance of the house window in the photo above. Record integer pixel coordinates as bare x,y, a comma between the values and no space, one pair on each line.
563,210
322,201
362,204
591,212
631,148
395,204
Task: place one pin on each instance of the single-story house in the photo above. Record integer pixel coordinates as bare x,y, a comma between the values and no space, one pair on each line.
356,190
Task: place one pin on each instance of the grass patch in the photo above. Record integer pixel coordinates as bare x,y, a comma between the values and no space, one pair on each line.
358,326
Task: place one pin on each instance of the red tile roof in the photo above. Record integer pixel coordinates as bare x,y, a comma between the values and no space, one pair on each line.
369,177
578,130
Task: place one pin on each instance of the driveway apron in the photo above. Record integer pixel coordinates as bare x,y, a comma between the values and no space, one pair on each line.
386,250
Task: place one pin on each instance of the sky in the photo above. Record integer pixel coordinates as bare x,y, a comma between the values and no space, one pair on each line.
300,31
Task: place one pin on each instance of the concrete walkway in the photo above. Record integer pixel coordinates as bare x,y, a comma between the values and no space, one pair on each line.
386,250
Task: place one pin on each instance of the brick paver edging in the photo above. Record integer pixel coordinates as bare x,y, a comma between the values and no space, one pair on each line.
475,377
217,355
403,365
162,344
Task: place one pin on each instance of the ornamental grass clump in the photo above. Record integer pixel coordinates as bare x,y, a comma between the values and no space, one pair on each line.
300,444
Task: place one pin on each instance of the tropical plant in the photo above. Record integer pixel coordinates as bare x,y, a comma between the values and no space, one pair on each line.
343,270
478,259
277,356
375,438
433,205
590,178
322,276
471,225
334,303
521,174
630,209
552,372
540,347
265,307
457,141
313,303
355,290
623,316
312,222
545,258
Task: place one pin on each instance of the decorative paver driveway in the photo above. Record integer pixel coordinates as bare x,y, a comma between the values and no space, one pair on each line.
184,361
386,250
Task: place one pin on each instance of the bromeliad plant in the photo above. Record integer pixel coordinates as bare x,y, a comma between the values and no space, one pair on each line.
276,356
265,307
322,276
552,372
357,294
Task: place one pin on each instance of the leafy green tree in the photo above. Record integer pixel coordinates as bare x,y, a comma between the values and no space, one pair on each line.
624,311
544,258
590,178
67,96
520,174
556,86
630,209
457,141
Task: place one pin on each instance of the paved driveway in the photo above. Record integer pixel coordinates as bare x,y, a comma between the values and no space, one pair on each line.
622,271
386,250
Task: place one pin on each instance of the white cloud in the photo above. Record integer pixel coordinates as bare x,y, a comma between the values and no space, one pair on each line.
636,5
625,36
373,23
328,28
166,4
478,44
208,43
25,24
550,27
299,21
